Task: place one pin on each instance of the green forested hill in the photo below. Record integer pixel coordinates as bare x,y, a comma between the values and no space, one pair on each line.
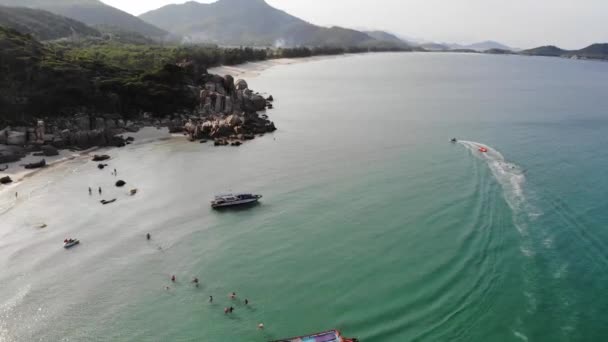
92,13
42,24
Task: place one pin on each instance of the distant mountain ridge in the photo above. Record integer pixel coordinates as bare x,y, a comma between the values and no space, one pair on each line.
252,22
93,13
482,46
42,24
594,51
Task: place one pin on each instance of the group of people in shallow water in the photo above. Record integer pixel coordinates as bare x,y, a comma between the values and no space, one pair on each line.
196,282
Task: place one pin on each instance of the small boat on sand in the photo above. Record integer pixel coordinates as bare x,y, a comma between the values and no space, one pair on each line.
104,202
233,200
69,243
328,336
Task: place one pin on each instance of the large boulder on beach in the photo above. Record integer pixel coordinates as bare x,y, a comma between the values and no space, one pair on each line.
9,154
229,85
259,102
83,122
121,183
16,138
98,158
100,123
6,180
241,85
49,151
3,135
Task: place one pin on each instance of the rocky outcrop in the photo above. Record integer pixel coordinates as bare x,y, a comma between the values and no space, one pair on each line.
6,180
228,112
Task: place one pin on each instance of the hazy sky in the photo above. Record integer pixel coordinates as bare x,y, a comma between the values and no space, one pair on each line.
518,23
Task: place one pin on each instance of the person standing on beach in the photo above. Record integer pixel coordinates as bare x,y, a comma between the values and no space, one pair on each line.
90,191
100,190
16,194
148,237
115,172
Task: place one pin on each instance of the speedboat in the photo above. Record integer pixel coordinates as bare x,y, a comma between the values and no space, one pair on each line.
69,243
454,140
328,336
483,149
231,200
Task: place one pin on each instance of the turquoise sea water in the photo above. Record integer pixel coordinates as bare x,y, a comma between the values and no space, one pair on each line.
372,222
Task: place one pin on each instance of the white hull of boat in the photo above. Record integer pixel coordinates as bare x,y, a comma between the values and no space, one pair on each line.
70,244
235,203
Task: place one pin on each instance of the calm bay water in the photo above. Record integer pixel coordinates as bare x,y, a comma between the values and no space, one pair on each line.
371,222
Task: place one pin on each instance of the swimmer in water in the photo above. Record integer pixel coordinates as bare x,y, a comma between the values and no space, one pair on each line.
173,278
233,295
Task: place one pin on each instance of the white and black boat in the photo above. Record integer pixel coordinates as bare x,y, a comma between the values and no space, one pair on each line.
233,200
69,243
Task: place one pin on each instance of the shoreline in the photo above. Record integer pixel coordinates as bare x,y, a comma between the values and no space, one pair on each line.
148,134
254,69
18,174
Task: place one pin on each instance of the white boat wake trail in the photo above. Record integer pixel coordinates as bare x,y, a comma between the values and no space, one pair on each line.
512,179
510,176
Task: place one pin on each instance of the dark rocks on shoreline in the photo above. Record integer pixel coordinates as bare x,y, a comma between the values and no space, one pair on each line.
99,158
227,112
36,165
6,180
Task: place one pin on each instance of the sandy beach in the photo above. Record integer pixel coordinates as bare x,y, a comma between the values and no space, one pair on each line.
18,173
254,69
148,134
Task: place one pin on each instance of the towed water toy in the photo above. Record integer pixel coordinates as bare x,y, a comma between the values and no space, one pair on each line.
483,150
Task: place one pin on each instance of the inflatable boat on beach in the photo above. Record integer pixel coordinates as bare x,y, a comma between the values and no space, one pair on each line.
69,243
327,336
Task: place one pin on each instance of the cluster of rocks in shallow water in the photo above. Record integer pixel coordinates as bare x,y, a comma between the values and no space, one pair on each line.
229,113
